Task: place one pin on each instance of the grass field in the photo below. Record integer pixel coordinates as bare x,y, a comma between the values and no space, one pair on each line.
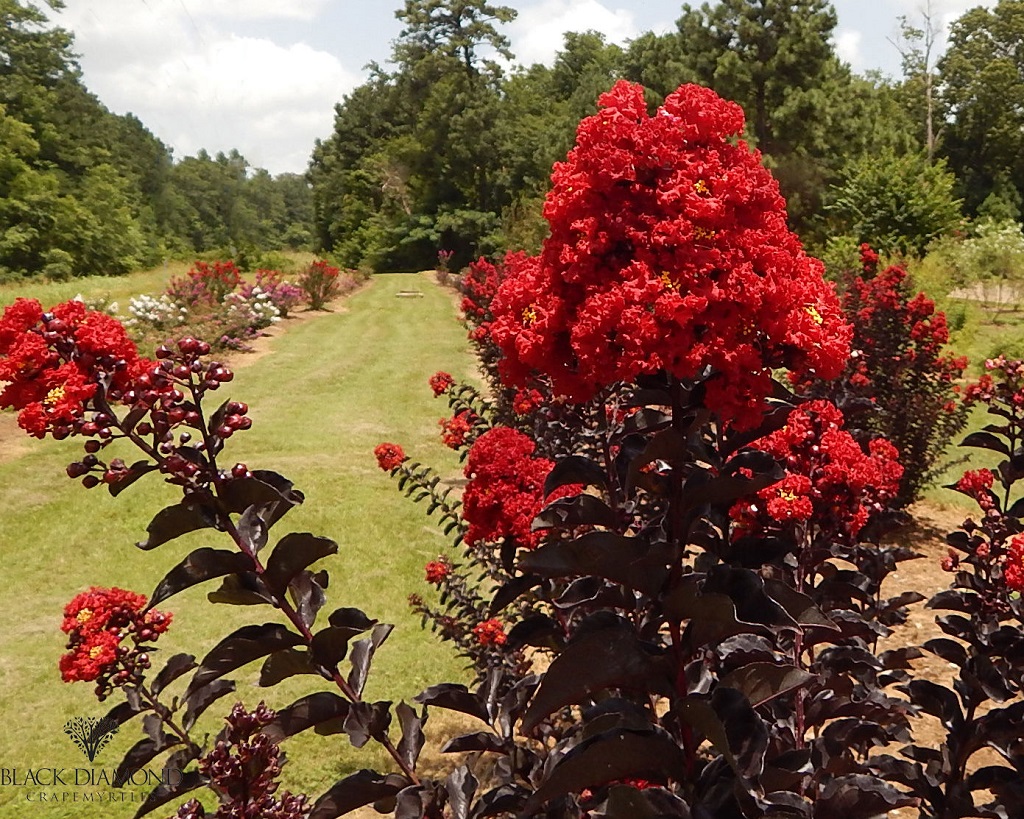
329,389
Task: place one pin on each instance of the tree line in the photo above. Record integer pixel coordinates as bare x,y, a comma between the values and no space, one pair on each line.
84,191
450,147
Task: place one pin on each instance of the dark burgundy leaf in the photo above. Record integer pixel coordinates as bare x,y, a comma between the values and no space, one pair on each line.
761,682
366,720
239,648
241,493
645,420
351,618
581,590
305,713
330,645
539,631
899,657
482,741
354,791
362,654
199,566
291,497
501,800
141,753
511,591
411,743
938,701
293,553
135,471
608,756
252,529
986,440
134,415
153,727
284,664
461,786
627,560
1016,510
858,796
574,469
307,593
167,791
605,652
797,605
122,712
244,589
174,668
453,697
954,600
578,510
197,702
173,522
949,650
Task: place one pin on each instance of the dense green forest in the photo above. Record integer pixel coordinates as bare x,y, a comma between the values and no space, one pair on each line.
450,144
447,149
84,191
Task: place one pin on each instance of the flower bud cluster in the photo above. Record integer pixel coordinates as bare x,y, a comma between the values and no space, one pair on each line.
243,767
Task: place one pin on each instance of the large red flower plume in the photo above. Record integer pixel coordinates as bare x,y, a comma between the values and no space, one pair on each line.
669,250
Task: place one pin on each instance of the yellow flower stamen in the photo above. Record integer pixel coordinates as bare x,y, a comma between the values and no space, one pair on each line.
529,315
666,280
700,233
812,311
701,187
53,396
95,651
84,616
787,495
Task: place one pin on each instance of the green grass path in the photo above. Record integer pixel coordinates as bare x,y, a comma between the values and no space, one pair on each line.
329,390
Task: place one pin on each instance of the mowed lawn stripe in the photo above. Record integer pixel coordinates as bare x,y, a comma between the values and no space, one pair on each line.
327,392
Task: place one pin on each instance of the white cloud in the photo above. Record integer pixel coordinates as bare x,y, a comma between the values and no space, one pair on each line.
848,45
197,86
537,32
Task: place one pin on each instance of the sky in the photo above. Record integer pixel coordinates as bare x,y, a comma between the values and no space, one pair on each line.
263,76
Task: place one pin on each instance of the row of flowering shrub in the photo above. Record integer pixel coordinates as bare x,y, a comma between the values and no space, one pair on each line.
666,566
214,302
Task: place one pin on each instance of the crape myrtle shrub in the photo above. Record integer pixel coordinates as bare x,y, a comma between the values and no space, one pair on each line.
901,382
699,569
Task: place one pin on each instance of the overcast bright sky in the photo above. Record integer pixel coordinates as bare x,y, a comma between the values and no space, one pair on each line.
263,76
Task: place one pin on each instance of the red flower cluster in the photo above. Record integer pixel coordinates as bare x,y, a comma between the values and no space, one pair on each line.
977,484
868,260
490,633
830,481
1013,568
437,570
526,401
455,430
479,284
52,362
389,456
96,622
506,488
877,302
669,250
440,383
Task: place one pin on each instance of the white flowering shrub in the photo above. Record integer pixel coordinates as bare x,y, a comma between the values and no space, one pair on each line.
156,313
255,310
